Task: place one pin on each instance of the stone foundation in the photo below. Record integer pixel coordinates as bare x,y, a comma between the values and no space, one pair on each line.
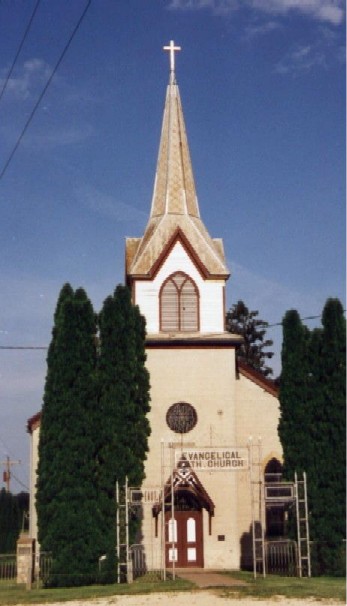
25,559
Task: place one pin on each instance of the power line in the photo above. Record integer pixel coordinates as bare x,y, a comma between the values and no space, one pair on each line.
44,90
45,347
20,483
16,347
303,319
19,48
281,323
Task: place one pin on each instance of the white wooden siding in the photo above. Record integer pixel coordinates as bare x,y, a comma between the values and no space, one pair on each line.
211,293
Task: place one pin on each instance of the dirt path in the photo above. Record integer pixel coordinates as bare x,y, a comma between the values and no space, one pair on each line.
193,598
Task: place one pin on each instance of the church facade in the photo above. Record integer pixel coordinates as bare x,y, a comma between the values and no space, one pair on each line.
213,421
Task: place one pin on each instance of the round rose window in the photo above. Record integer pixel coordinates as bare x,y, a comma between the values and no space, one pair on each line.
181,417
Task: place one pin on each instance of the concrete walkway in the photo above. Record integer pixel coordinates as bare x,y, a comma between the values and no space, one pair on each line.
208,578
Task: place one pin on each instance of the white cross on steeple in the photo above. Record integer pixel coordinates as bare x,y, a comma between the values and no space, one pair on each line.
172,48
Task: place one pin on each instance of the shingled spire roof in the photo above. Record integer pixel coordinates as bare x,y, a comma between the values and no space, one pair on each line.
175,210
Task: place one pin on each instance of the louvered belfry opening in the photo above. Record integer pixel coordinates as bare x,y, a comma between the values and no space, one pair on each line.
179,304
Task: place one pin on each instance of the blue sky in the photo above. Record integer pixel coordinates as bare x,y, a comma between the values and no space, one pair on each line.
263,91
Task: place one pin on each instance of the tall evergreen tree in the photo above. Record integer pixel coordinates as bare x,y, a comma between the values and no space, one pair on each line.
312,426
241,321
294,396
295,413
67,505
141,395
329,435
124,403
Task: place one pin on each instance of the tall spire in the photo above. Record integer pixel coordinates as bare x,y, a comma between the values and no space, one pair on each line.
174,187
175,210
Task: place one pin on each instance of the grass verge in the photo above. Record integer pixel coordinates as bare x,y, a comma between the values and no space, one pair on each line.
323,588
17,594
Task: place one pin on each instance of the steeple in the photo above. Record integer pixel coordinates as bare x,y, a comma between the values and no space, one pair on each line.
174,187
174,210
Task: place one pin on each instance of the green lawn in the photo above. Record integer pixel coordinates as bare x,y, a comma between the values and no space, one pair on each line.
13,594
271,585
321,588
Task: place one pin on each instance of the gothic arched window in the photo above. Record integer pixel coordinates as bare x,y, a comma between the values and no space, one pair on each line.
179,304
273,471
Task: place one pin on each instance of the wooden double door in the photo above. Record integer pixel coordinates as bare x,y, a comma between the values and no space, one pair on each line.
184,539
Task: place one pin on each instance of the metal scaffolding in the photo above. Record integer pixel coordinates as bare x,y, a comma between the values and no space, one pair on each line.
290,494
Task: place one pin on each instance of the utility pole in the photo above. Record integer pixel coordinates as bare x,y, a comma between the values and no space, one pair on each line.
7,473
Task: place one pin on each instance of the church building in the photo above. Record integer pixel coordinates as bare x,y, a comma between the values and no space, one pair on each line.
213,420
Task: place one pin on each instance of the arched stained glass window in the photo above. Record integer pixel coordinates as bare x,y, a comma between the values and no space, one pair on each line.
179,304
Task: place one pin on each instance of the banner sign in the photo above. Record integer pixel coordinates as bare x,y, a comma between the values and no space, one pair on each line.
215,459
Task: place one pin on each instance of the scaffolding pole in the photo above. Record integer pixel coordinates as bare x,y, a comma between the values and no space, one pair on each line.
117,533
163,544
302,524
258,509
172,521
